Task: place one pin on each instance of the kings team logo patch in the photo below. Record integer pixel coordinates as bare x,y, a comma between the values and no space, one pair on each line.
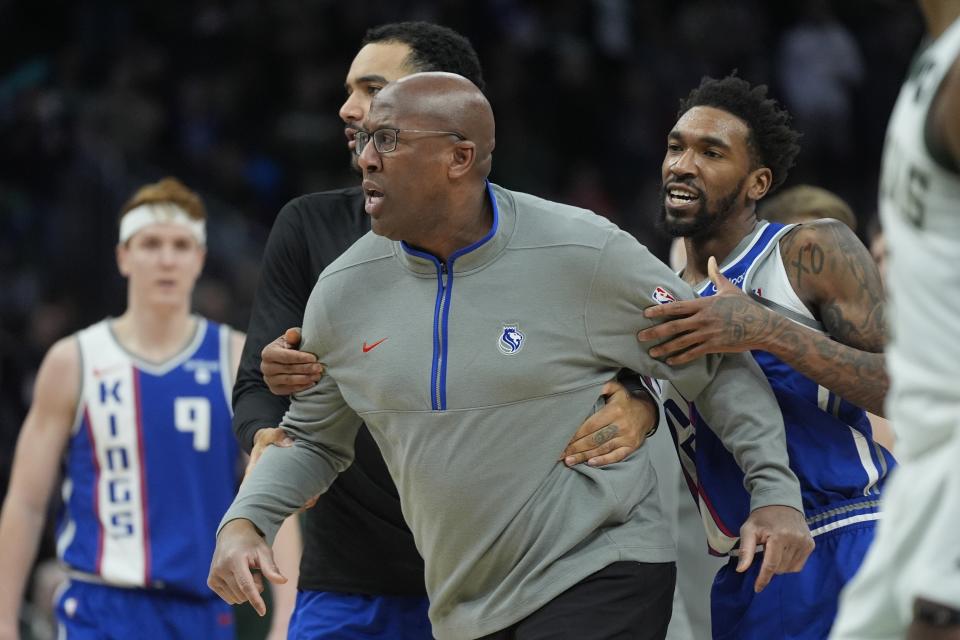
511,340
662,296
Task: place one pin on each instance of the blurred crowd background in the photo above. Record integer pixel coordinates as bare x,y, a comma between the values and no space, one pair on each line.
239,99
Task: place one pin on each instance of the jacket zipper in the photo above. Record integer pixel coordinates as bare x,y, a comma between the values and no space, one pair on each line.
438,403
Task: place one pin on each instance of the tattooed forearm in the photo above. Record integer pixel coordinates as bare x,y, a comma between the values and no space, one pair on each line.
836,278
860,377
868,333
742,321
605,434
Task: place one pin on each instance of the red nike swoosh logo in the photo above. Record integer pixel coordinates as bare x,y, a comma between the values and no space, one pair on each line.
99,373
367,347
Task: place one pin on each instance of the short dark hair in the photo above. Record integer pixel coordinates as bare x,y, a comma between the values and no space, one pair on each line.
432,48
771,140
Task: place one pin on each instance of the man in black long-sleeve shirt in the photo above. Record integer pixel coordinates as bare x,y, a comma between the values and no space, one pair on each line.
361,576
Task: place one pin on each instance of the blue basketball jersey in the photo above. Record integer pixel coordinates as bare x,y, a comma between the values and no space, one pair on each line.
830,441
151,465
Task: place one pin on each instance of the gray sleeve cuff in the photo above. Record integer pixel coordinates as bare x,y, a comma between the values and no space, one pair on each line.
281,483
786,496
263,524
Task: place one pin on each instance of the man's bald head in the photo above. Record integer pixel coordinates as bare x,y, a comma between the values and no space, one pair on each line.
441,101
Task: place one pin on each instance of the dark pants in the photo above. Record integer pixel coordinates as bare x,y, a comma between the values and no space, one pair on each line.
623,601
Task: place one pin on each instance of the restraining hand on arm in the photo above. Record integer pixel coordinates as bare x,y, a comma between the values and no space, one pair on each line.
266,437
732,396
618,429
834,275
288,272
286,370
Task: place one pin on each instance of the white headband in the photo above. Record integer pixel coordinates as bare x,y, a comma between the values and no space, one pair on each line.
166,212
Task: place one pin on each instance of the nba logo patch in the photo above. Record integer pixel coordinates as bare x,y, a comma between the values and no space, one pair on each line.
662,296
511,340
202,375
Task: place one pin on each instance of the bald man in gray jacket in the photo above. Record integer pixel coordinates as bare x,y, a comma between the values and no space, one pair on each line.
472,330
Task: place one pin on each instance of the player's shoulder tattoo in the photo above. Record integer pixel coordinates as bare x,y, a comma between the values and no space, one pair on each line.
834,274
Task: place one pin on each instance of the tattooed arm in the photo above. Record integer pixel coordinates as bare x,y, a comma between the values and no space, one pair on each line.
833,274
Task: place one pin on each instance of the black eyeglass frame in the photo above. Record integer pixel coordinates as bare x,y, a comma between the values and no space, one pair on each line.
362,137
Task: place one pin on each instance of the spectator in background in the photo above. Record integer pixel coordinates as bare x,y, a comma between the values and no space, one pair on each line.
820,68
806,203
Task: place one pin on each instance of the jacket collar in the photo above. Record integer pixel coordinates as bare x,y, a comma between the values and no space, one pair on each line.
472,257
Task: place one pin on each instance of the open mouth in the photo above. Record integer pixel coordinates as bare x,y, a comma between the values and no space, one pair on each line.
681,195
373,198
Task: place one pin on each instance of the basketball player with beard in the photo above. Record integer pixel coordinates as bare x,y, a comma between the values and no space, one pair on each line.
807,301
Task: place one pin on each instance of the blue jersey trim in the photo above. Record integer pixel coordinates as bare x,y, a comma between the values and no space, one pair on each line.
441,309
736,272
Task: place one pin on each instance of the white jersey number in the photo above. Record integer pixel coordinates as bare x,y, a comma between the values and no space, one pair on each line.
192,415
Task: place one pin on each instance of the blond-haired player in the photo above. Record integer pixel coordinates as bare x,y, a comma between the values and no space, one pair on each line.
136,412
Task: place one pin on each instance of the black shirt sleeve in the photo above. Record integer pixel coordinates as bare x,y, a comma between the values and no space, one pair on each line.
277,305
330,222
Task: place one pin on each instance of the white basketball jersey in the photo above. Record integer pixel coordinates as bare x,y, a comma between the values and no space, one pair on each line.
151,464
920,211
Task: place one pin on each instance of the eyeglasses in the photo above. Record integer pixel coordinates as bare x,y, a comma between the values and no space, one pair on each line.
385,140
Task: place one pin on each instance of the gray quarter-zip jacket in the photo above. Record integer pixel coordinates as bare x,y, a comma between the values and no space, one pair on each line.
472,375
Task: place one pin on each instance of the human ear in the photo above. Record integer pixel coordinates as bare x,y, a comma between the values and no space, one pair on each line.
760,181
463,158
